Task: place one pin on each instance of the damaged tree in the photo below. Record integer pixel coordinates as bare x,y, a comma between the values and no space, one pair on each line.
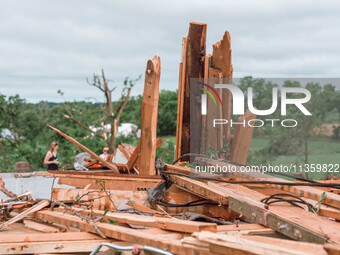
108,113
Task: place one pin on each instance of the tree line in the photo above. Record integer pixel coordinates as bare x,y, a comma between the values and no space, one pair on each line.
26,137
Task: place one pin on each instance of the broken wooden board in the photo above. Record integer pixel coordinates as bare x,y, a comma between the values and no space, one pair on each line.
172,224
132,160
25,213
50,247
237,244
221,60
288,220
192,67
112,181
180,100
302,191
301,225
149,117
41,227
324,210
98,200
240,143
243,227
48,237
84,148
121,233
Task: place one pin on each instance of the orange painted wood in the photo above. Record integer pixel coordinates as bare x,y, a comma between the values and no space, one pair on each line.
149,117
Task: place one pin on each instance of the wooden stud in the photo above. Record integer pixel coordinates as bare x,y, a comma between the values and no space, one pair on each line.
149,117
84,148
25,213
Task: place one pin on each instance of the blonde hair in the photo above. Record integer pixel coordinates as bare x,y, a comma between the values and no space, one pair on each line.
52,146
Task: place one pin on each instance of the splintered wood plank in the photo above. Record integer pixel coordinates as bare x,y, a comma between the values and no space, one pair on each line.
151,221
242,138
100,200
214,134
221,59
149,117
200,189
136,153
121,233
84,148
111,184
50,247
48,237
180,101
237,244
241,227
42,227
289,244
324,210
194,68
302,191
289,220
207,65
25,213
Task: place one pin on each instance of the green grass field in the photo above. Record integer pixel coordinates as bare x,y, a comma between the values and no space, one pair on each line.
320,151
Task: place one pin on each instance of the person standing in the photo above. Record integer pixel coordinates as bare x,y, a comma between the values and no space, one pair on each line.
51,158
105,153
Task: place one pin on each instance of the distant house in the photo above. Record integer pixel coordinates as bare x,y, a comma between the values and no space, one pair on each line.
7,134
124,129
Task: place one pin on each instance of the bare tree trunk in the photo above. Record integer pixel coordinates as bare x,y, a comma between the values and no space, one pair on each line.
107,110
3,153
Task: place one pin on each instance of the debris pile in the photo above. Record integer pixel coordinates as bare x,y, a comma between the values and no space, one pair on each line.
140,204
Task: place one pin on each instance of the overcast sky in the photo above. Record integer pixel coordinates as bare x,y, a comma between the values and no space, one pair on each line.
51,45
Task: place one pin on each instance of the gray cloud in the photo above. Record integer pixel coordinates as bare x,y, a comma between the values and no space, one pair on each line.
51,45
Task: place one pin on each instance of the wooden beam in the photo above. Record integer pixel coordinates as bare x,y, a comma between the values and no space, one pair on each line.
240,143
149,117
48,237
221,59
25,213
180,101
50,247
288,220
39,226
110,184
172,224
194,68
84,148
121,233
302,191
99,200
136,154
236,244
200,189
241,227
